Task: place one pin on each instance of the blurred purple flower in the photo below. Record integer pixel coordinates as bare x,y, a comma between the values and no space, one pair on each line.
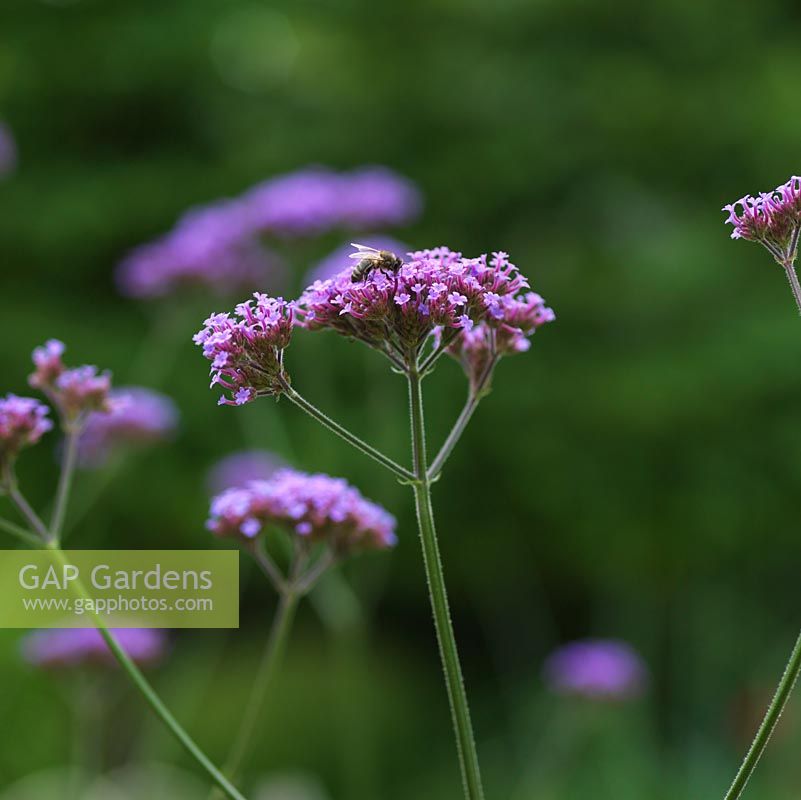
23,421
8,150
339,259
247,354
316,199
239,469
316,507
138,415
71,647
596,668
209,247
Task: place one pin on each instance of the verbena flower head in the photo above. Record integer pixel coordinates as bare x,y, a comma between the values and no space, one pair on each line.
209,247
596,668
340,259
75,392
399,309
23,421
73,647
137,416
316,508
8,151
508,330
238,469
247,350
314,200
772,218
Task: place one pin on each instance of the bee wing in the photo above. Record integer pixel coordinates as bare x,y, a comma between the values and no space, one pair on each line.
363,249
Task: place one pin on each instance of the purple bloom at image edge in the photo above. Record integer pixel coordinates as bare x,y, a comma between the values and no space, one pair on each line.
69,647
596,668
8,150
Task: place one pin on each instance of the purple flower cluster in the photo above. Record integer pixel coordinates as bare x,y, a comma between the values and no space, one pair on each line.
339,259
247,351
314,200
315,507
23,421
74,392
511,323
72,647
239,469
399,309
773,219
8,150
597,669
137,415
218,246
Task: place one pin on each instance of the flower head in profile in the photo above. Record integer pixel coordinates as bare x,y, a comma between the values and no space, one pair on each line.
395,309
596,668
238,469
247,350
506,331
74,392
772,218
73,647
137,416
316,508
23,422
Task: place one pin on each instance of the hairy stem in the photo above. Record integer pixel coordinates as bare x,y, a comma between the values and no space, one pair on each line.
789,268
344,433
460,712
148,692
768,725
271,658
65,481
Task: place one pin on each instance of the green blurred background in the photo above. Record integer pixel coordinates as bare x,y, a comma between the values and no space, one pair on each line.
634,476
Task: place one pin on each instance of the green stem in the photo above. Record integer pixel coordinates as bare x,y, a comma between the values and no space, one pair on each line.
20,533
65,481
768,725
789,268
271,658
31,517
344,433
147,691
473,399
460,712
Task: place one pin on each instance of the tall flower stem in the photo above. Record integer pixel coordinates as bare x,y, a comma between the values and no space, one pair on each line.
769,722
460,712
271,658
344,433
65,480
148,692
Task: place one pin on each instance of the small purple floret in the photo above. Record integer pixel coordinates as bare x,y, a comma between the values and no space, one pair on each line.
23,422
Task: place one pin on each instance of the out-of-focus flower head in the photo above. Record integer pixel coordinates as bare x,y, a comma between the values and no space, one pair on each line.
772,218
209,247
74,392
247,351
23,421
238,469
395,310
316,508
73,647
339,259
507,330
597,669
8,150
137,416
313,200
